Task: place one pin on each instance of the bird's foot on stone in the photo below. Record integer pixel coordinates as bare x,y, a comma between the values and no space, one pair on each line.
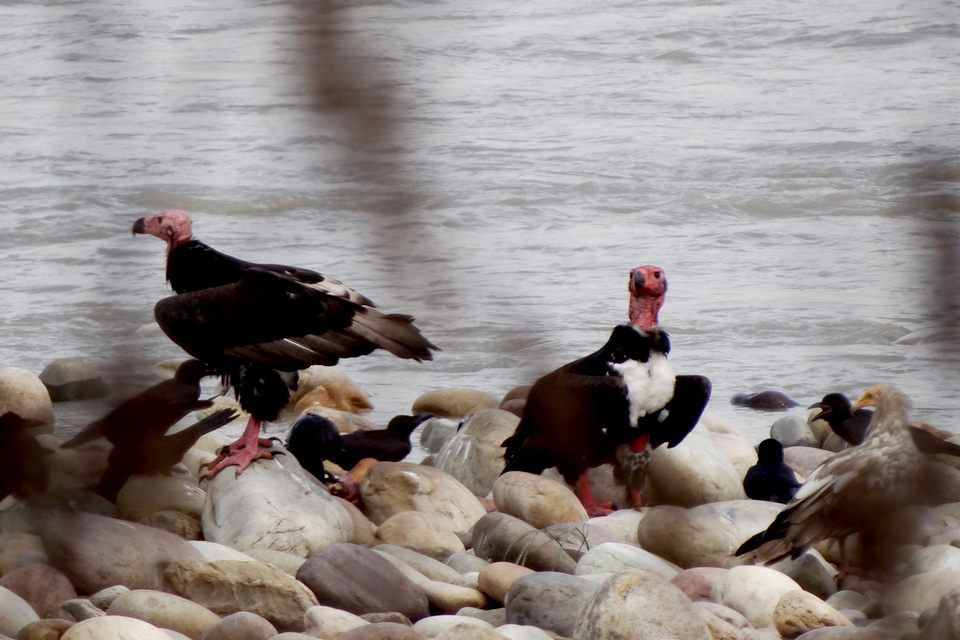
237,454
348,487
636,499
599,509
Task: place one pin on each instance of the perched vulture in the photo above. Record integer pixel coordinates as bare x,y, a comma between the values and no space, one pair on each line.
612,405
859,488
836,411
770,479
150,413
248,322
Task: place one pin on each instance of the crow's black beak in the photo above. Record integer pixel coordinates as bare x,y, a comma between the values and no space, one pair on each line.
825,410
139,227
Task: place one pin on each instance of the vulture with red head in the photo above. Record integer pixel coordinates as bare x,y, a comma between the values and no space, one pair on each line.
613,405
248,322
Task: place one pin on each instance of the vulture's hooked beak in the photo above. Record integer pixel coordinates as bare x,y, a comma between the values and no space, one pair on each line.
139,227
637,281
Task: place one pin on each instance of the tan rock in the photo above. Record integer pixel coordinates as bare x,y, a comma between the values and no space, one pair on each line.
754,591
454,403
474,455
393,487
114,628
45,629
23,393
427,533
496,579
242,625
72,379
341,395
228,586
694,472
327,622
287,562
337,384
142,496
182,525
536,500
798,612
19,549
364,531
165,610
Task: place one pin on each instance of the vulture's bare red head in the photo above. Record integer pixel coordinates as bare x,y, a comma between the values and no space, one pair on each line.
648,289
172,226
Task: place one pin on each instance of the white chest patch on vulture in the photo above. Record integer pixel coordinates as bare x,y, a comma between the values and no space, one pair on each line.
649,384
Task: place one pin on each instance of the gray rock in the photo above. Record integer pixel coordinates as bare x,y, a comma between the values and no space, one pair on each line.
793,431
577,538
944,622
641,605
431,568
142,496
496,617
474,455
271,507
498,536
81,609
548,600
436,432
811,572
613,557
104,598
15,612
72,379
242,625
917,593
938,557
96,552
465,562
359,580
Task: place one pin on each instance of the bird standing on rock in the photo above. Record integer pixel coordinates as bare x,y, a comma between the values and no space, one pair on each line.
770,479
612,405
857,489
314,439
836,411
249,321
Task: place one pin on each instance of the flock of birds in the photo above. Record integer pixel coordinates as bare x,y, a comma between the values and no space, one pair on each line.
256,325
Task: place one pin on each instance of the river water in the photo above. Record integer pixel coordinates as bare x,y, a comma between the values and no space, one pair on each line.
495,169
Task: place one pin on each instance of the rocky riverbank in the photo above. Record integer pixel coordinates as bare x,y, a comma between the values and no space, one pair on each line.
447,549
